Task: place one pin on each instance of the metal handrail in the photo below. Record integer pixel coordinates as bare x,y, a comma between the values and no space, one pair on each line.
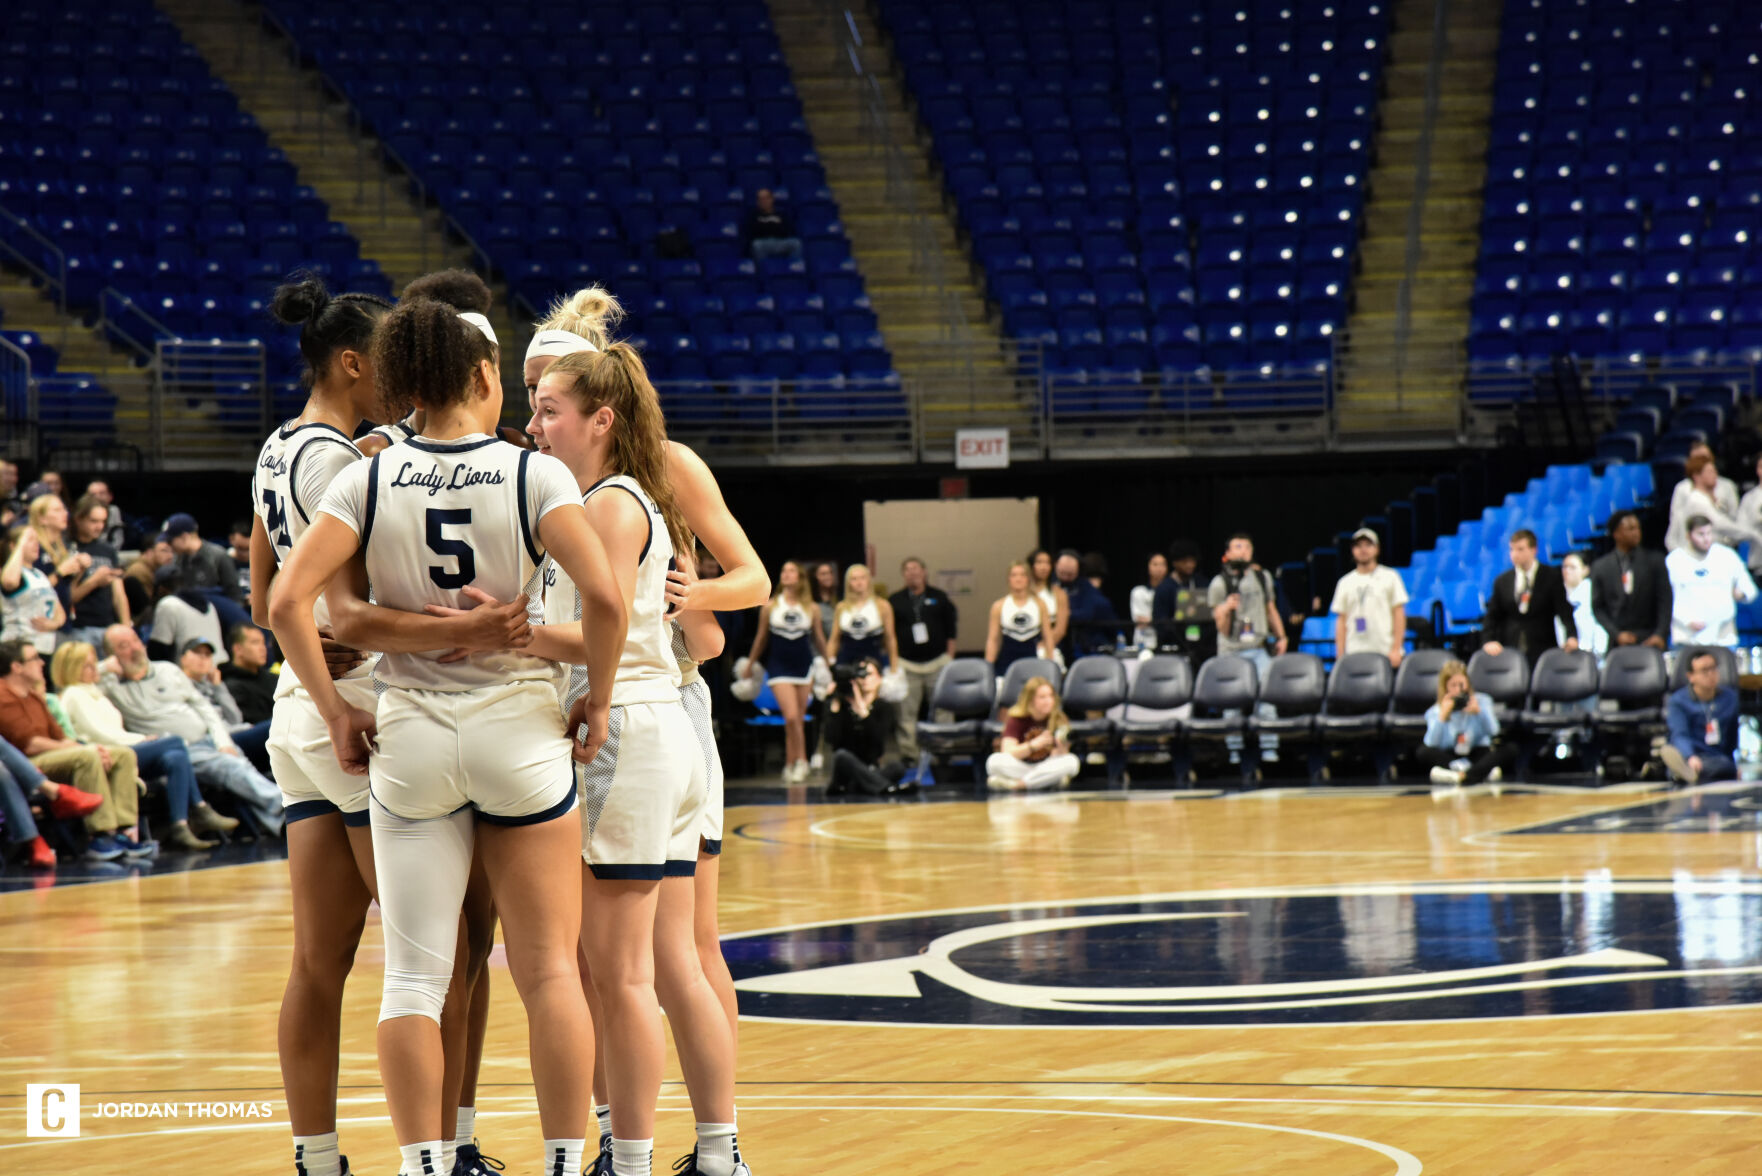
14,431
56,282
110,324
1421,183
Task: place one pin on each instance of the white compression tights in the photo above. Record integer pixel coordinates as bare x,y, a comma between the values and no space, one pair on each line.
423,867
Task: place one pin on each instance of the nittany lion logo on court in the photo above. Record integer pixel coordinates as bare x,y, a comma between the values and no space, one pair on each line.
1300,955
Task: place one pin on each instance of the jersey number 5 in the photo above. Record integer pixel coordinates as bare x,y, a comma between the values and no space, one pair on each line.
458,549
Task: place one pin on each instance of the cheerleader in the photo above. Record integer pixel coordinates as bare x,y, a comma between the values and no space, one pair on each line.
863,624
1019,625
1052,597
788,639
471,747
330,847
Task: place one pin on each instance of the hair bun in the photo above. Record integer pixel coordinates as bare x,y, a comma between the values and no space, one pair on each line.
458,288
299,300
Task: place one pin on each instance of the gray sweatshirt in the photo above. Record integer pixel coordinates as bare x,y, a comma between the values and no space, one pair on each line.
166,701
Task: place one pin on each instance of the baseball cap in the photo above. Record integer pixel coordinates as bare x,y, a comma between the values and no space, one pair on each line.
1366,533
180,524
195,643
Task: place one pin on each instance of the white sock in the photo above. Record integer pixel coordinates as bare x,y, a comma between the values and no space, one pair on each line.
603,1112
717,1151
315,1155
563,1157
633,1157
448,1153
467,1129
422,1159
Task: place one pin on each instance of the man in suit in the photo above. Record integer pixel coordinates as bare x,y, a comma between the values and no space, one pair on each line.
1526,602
1630,589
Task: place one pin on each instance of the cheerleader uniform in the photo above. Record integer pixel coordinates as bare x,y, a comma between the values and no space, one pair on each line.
789,653
860,634
1020,627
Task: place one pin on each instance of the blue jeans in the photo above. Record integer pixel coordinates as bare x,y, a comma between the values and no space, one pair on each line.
15,809
254,742
788,248
170,757
1263,662
235,774
1716,767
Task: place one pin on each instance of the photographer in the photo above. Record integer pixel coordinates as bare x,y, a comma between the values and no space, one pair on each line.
1461,730
1245,606
857,723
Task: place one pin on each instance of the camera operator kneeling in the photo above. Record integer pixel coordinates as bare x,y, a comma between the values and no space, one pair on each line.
857,723
1033,752
1461,744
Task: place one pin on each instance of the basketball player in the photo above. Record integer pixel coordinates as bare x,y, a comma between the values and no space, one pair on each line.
446,509
788,639
330,848
643,796
1019,625
581,322
862,625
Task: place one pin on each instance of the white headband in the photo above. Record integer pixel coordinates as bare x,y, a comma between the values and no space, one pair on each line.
482,324
557,343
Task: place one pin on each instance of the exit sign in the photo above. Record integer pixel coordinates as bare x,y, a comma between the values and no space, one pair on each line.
981,449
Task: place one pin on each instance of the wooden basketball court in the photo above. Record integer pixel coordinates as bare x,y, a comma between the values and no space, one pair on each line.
1284,981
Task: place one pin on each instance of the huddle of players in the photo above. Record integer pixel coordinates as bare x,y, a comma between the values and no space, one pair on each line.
536,624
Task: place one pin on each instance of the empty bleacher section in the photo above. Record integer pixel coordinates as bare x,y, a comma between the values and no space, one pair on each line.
579,136
133,166
1165,198
1624,196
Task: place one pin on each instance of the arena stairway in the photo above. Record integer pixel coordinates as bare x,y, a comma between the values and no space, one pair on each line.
316,134
958,371
89,390
1390,381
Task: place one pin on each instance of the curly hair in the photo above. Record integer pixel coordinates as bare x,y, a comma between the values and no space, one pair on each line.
424,355
458,288
615,378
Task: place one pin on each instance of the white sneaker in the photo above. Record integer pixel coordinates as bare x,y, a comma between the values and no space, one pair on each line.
1461,765
798,771
1496,776
1445,778
816,761
1003,783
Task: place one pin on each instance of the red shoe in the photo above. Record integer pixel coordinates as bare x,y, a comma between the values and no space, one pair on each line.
42,857
71,803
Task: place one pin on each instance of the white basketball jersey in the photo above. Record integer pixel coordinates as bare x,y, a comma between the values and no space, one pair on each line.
688,670
295,468
648,671
397,431
436,516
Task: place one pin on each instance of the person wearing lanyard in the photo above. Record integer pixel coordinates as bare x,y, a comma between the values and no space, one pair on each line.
1630,588
1703,718
928,621
1370,604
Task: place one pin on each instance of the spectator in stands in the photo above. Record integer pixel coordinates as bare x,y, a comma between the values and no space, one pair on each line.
1703,722
12,505
180,618
1707,581
29,608
1370,604
142,576
1749,511
1575,571
925,620
99,599
115,530
1462,733
48,515
1180,604
204,567
858,721
155,696
248,676
19,780
827,588
1142,602
1526,602
51,482
196,659
1706,498
1630,588
1035,751
1244,606
769,232
103,770
93,718
1044,584
239,541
